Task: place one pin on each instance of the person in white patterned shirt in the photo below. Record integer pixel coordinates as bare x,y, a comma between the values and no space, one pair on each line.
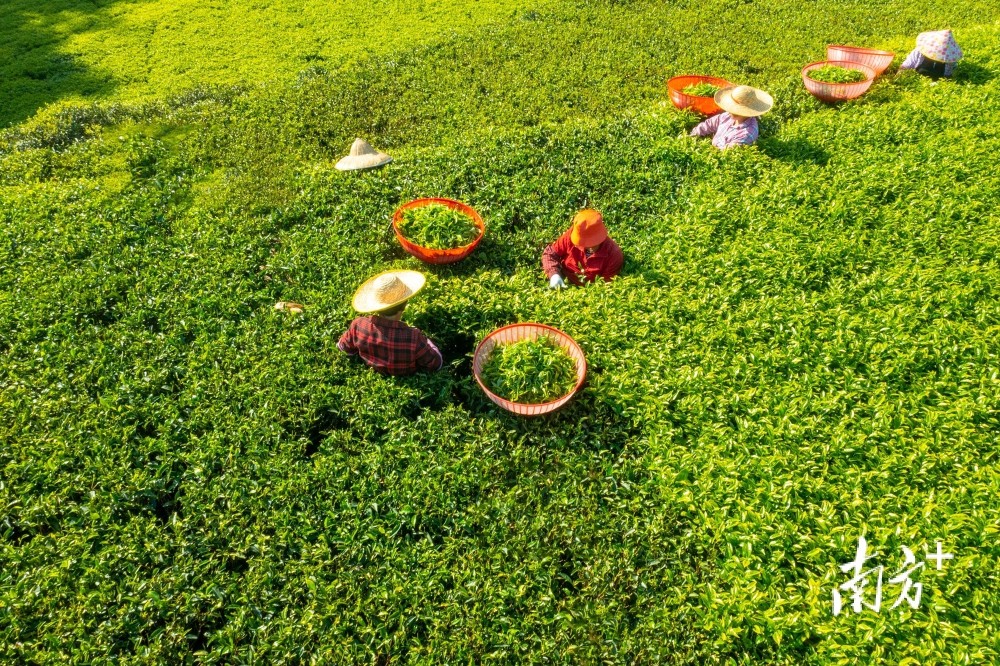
935,55
737,125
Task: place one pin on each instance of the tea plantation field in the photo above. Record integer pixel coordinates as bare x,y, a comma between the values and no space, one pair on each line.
802,349
78,49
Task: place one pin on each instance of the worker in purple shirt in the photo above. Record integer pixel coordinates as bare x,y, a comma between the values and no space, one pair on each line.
737,124
935,55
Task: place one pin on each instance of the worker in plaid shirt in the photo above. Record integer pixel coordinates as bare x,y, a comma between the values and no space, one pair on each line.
379,338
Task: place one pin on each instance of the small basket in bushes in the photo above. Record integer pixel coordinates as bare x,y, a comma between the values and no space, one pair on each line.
454,244
879,61
832,93
701,103
565,382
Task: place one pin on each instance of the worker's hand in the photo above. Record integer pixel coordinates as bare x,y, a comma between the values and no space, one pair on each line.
557,282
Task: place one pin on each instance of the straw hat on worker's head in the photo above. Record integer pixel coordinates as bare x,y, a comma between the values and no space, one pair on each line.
363,156
744,101
588,229
387,290
939,45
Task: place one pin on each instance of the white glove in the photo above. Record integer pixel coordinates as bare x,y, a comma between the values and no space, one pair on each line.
557,282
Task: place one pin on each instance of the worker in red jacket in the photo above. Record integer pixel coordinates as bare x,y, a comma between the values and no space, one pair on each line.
583,253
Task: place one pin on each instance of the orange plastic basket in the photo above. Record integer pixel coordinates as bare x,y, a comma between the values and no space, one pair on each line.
838,92
431,256
703,105
515,333
877,60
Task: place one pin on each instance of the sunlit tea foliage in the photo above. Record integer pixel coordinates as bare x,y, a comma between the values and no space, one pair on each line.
701,90
802,346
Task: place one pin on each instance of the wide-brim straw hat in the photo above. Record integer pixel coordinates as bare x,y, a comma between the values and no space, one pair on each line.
939,45
588,229
362,156
387,290
744,100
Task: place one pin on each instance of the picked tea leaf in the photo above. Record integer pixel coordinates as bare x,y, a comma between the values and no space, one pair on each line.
835,74
701,90
530,371
438,227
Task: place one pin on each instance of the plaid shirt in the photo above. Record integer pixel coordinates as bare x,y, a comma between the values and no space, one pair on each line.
576,265
726,133
389,346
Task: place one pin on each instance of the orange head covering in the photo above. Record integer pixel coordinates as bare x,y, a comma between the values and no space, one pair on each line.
588,229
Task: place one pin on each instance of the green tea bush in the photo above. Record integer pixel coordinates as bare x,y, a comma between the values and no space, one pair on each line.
84,50
530,371
801,349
